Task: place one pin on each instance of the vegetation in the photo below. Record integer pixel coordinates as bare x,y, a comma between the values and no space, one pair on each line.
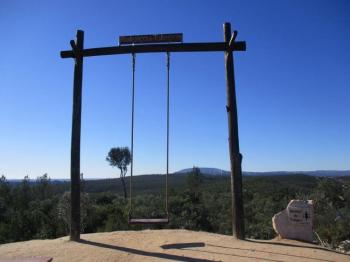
121,158
197,202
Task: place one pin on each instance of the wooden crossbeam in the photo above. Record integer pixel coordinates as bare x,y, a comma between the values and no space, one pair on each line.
157,48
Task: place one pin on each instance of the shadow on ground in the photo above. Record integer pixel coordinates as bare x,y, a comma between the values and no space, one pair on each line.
295,245
272,253
193,246
144,253
189,246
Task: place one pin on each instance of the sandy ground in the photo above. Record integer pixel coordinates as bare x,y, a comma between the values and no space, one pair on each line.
168,245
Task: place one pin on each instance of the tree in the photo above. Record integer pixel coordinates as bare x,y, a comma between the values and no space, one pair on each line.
121,158
4,192
64,208
193,212
5,205
43,187
194,180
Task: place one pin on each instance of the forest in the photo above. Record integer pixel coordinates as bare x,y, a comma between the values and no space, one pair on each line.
40,209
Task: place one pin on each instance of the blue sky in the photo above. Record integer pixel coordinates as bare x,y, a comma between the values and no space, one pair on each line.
292,86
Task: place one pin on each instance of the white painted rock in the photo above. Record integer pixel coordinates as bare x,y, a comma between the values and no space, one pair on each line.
296,221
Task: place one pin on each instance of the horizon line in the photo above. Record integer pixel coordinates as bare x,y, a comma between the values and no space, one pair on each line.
147,174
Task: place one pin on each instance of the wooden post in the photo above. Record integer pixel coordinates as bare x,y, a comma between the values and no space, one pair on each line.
235,156
75,143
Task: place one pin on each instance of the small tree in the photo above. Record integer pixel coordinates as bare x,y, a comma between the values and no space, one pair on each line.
121,158
64,209
43,189
194,180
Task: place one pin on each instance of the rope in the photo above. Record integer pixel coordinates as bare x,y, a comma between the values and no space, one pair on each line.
167,132
132,130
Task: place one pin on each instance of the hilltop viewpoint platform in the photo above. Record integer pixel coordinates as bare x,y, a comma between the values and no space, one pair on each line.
166,245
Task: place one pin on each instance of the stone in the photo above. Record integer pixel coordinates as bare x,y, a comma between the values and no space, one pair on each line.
296,221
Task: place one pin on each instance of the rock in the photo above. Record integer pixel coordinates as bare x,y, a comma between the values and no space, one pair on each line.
296,221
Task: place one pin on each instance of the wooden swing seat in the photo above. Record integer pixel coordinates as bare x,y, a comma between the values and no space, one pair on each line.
158,221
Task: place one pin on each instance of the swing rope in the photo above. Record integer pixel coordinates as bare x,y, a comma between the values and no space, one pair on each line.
167,131
132,131
149,221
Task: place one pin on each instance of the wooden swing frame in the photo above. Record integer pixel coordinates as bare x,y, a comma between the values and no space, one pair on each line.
228,47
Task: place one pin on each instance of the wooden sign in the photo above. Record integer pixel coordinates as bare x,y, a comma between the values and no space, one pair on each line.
142,39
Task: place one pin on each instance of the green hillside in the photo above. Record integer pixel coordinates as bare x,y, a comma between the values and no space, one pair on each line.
155,183
196,202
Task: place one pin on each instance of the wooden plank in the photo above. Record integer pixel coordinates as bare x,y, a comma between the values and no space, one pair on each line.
157,48
157,38
235,156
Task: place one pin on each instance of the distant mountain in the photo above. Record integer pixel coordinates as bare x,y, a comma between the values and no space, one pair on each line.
220,172
320,173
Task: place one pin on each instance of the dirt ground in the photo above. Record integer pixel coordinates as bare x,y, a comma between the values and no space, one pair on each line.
167,245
